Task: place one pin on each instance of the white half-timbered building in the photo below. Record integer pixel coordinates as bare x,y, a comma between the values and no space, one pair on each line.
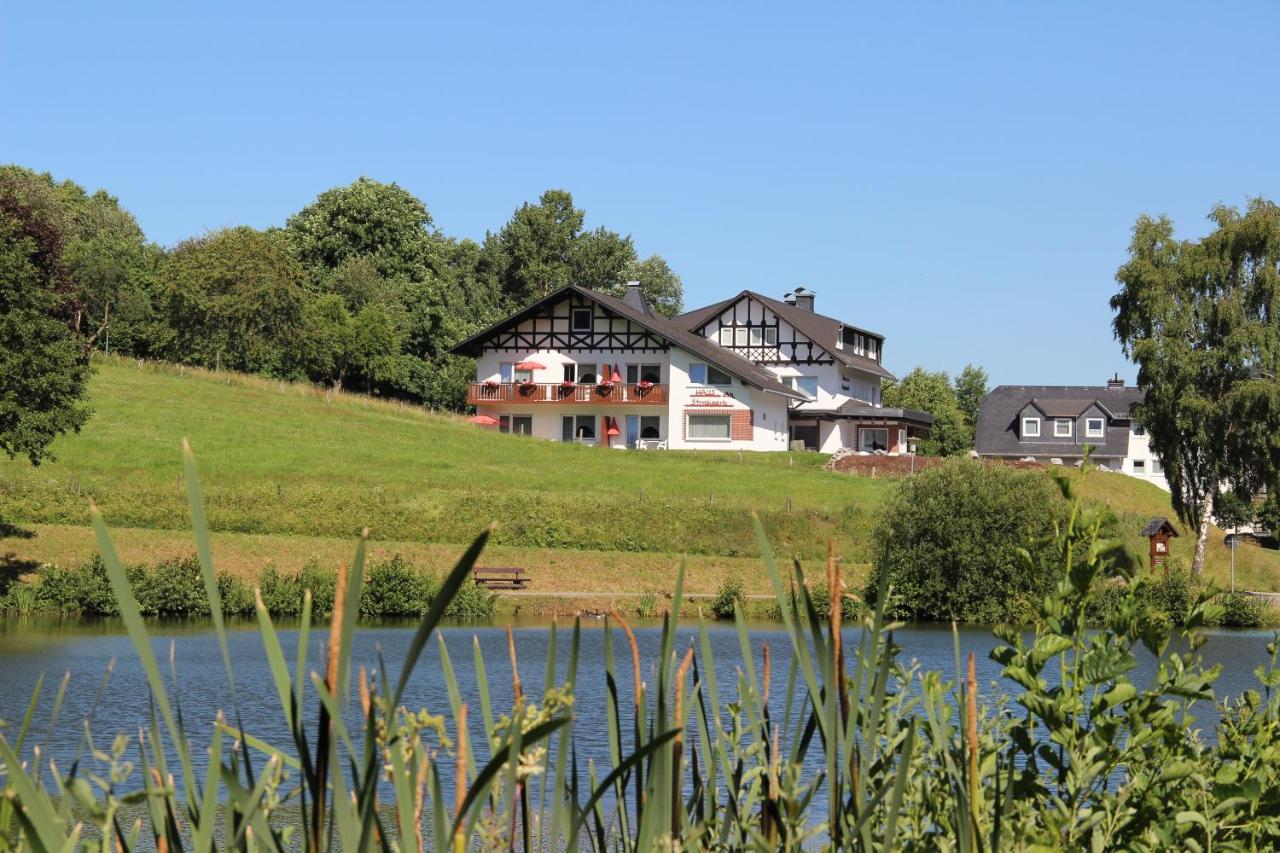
583,366
836,366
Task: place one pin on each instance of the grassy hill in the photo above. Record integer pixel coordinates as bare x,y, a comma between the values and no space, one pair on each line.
291,472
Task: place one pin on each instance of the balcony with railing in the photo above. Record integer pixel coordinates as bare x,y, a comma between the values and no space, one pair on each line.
618,393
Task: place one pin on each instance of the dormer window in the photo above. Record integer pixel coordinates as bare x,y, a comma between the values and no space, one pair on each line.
1095,428
1062,427
1030,427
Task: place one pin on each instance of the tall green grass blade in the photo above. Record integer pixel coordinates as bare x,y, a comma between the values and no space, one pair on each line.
479,788
623,768
138,636
455,698
486,707
452,583
30,714
35,810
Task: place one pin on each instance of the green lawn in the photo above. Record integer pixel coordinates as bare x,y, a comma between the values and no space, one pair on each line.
290,472
283,459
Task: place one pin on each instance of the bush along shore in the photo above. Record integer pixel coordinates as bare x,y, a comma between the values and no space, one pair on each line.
393,588
859,751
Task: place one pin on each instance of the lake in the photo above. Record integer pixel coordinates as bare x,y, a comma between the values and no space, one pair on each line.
29,648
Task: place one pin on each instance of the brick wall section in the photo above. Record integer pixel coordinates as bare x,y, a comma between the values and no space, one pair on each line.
741,421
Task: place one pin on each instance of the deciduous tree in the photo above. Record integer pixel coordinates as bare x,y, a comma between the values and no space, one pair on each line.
932,392
43,370
1202,321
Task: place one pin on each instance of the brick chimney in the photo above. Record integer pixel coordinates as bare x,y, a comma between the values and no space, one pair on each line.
1115,382
804,298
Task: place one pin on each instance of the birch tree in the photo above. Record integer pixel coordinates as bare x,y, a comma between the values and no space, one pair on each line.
1199,318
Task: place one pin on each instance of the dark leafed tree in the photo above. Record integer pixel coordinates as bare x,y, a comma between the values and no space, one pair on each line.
971,387
533,254
930,392
383,223
110,265
236,299
1200,319
43,369
544,247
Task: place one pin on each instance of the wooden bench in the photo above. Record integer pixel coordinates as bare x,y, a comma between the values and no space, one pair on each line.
500,578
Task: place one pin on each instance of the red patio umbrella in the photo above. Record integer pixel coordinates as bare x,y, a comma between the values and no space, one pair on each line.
530,365
484,420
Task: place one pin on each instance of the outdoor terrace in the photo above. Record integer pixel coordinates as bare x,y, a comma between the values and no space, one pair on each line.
618,393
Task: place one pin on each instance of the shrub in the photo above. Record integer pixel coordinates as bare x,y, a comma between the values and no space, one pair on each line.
237,597
322,582
85,589
1241,610
647,604
950,539
281,594
394,588
473,601
170,588
731,593
1170,596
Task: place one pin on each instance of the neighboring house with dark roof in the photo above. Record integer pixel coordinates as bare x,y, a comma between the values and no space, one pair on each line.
580,365
837,366
1044,422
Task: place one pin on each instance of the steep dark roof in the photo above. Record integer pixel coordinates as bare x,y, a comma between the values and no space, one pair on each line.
997,427
1155,525
733,364
819,328
1064,408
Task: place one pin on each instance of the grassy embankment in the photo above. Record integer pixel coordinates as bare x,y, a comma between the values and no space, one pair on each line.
291,473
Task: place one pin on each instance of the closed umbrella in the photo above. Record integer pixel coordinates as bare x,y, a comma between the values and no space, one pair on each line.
613,427
617,377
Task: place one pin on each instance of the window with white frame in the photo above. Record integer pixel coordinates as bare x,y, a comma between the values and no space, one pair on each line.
757,336
1157,467
701,373
582,319
771,336
806,385
708,427
1062,427
1030,427
726,336
1095,427
740,336
1139,466
1139,429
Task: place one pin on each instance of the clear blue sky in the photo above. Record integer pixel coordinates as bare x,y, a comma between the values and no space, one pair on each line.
962,178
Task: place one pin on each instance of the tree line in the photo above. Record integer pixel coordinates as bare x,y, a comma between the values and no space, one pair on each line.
358,289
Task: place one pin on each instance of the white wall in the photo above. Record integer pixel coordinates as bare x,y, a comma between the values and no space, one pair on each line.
1140,450
769,411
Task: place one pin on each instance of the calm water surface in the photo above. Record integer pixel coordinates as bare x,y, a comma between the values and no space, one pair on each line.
28,649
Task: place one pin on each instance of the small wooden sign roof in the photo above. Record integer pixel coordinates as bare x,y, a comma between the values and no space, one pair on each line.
1159,525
